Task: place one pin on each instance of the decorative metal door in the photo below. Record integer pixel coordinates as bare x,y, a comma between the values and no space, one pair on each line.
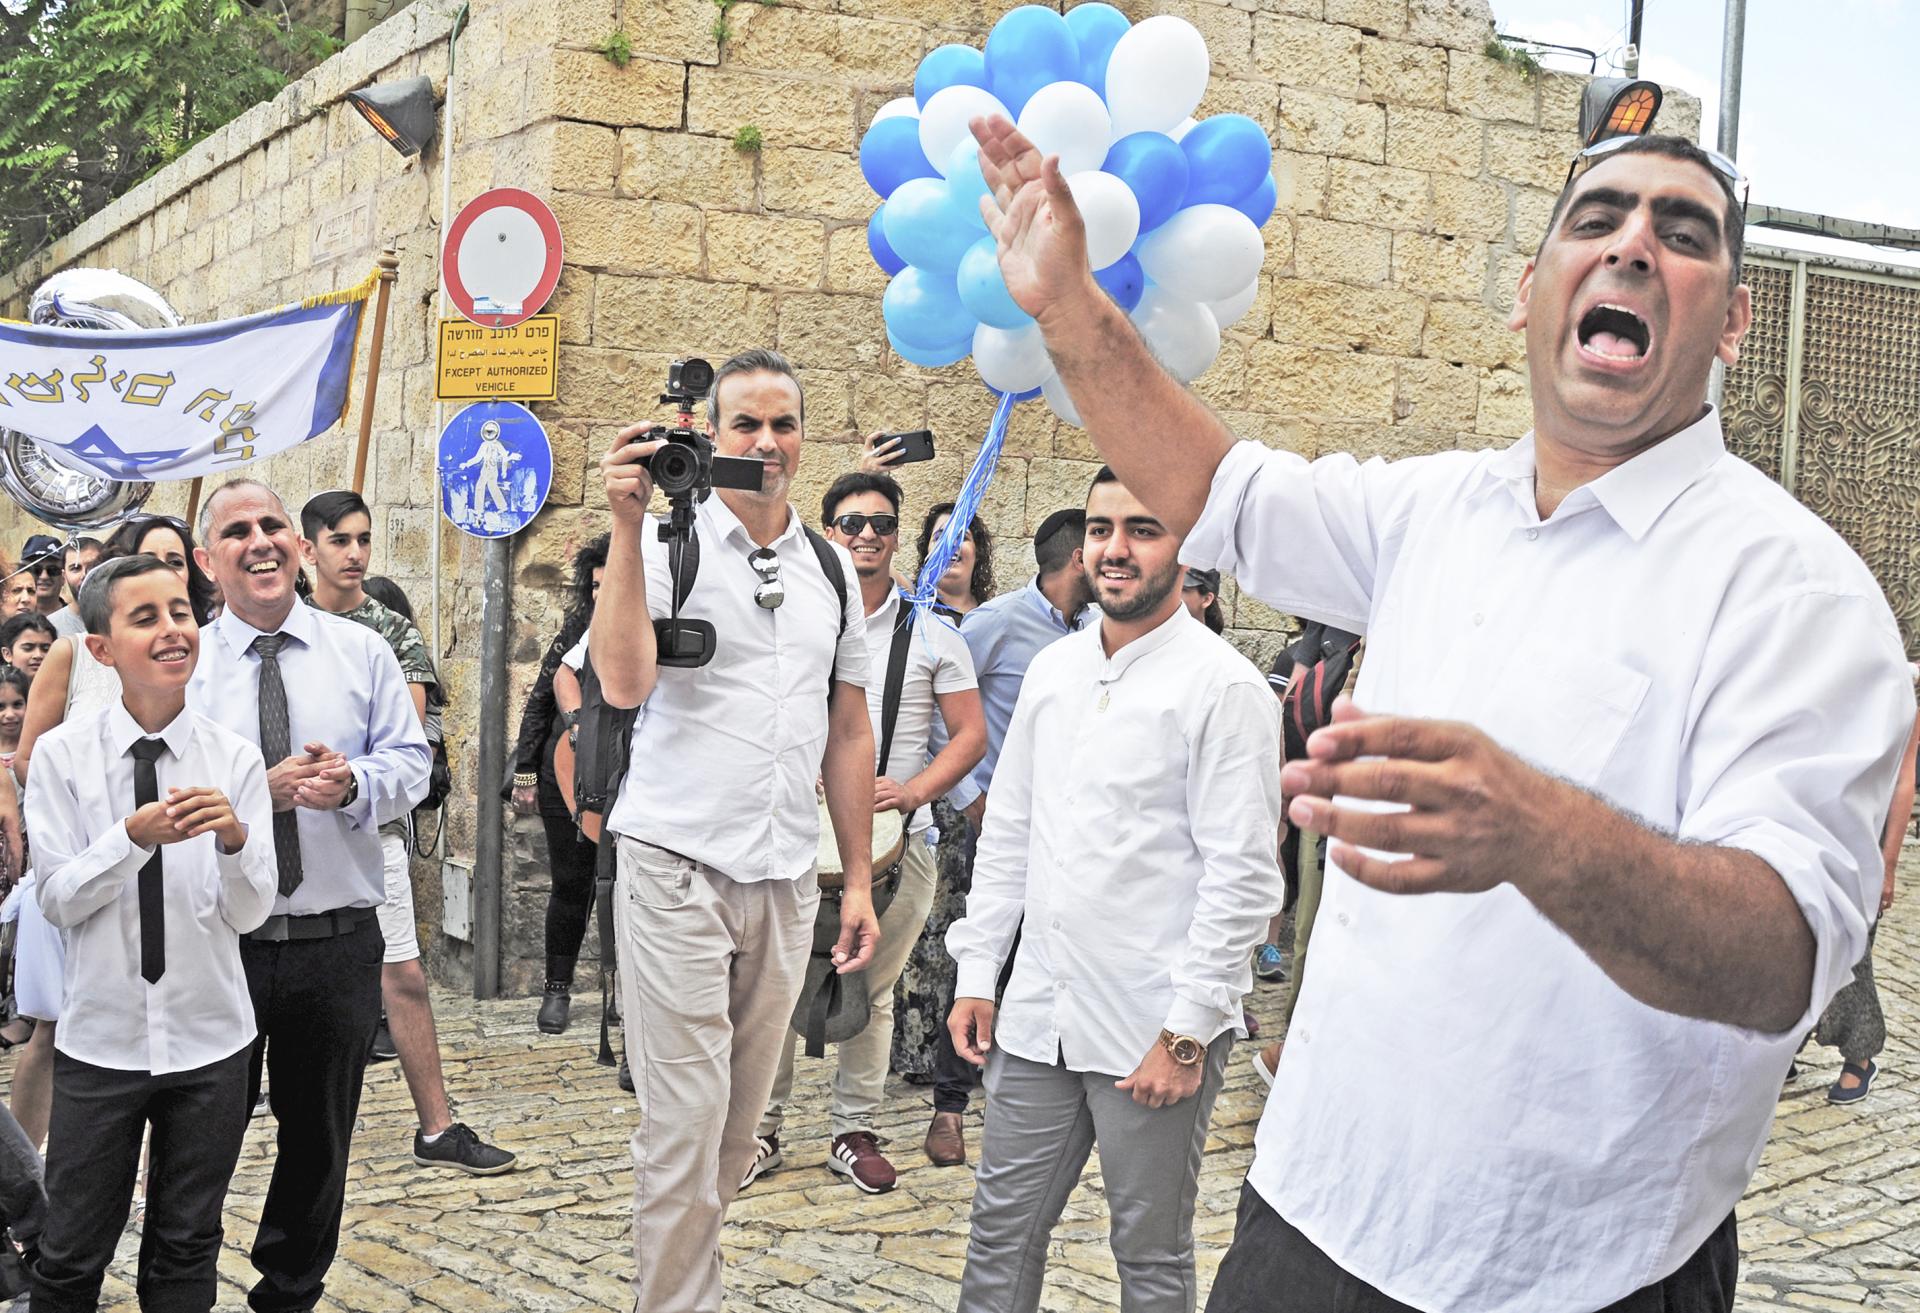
1826,400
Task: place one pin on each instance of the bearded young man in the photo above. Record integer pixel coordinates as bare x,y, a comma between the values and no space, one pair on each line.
1597,863
1130,843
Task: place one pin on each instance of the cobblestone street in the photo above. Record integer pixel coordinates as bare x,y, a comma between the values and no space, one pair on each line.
1832,1221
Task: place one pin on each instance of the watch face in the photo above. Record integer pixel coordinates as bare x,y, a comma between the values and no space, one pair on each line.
1186,1050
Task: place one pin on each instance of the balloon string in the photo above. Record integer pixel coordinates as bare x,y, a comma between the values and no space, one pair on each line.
966,504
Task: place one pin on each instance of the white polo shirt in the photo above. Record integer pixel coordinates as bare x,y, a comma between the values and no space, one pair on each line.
937,662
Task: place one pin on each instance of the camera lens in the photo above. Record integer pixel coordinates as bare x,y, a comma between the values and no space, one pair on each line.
696,375
676,469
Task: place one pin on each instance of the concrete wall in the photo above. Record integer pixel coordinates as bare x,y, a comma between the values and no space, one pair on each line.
1415,177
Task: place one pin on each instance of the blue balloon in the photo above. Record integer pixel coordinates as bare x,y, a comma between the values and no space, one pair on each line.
1226,156
931,358
1155,169
1259,203
920,226
1027,49
1123,280
948,66
890,154
966,184
923,310
983,290
1096,29
883,255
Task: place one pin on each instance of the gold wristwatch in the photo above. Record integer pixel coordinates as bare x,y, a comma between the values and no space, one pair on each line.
1185,1049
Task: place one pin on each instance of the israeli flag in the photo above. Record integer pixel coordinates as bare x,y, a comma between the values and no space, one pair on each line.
181,403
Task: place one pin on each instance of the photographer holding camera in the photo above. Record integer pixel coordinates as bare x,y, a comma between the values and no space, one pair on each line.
716,823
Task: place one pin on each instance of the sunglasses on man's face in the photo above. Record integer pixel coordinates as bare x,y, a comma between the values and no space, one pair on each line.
853,524
47,568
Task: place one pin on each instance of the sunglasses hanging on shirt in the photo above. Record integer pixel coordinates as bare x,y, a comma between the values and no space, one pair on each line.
769,592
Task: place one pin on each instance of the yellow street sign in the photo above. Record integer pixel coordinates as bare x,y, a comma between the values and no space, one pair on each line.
498,364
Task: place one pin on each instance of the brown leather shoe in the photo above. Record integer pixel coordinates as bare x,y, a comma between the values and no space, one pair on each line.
946,1140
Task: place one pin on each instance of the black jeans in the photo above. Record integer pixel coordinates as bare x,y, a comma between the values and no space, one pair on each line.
316,1002
199,1118
1269,1257
571,857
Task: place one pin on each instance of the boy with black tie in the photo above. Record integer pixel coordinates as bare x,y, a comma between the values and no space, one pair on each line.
153,836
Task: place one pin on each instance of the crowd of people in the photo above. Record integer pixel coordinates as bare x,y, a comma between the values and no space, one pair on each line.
1579,882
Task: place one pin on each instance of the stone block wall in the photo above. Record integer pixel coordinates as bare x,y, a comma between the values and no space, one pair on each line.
1415,178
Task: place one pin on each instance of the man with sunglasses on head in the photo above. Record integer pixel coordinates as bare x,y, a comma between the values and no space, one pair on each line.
917,661
1596,868
716,824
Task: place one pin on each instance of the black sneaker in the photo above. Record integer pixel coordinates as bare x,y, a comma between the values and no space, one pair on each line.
382,1049
458,1147
555,1006
626,1076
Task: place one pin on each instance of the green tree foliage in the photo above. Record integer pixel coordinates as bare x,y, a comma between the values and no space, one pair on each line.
97,94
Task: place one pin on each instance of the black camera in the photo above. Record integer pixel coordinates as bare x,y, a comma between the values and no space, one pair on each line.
686,470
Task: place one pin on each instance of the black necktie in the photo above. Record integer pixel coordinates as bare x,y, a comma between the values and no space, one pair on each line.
276,746
153,925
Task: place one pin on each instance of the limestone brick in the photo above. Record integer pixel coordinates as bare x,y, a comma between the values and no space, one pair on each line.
1053,484
1342,318
1680,116
1469,207
1396,73
1371,193
680,317
1532,209
792,39
1530,158
883,404
608,385
1379,17
787,112
1560,101
1505,283
1506,407
828,183
1435,394
668,29
1300,182
588,86
584,156
680,166
832,330
1257,98
850,266
829,394
1295,381
765,249
1438,266
1319,124
1434,141
572,304
1472,334
1298,52
631,236
1488,89
1459,24
1228,31
1342,252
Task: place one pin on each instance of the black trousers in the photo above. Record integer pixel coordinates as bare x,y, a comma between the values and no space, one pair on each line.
1269,1256
199,1118
570,905
316,1002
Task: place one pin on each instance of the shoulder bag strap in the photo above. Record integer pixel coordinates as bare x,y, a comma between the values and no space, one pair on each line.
896,680
830,566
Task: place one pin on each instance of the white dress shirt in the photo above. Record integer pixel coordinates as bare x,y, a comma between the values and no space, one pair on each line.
725,754
937,662
1133,824
344,689
78,799
1471,1114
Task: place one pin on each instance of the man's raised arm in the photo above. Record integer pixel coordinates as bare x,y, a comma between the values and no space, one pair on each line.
621,636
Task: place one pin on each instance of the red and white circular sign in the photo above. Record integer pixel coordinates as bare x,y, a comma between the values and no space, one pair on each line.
502,257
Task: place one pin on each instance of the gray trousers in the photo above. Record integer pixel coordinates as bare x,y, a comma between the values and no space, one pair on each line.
1041,1123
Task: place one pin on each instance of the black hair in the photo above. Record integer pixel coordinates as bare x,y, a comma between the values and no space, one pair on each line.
1215,618
126,540
1059,536
32,620
591,556
980,584
96,594
388,593
327,509
1104,474
852,485
17,677
1733,224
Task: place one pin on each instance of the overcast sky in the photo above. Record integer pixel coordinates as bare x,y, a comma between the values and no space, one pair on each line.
1829,119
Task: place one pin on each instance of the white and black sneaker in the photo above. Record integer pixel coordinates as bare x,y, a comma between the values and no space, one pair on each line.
766,1157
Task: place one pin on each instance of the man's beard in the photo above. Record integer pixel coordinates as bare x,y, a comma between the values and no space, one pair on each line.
1152,593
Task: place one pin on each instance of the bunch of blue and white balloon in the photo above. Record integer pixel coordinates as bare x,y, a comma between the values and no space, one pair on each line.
1173,207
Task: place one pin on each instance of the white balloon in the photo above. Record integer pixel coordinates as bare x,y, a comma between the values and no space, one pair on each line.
1011,359
1156,76
1182,128
1204,252
1110,212
1182,334
904,106
1059,402
1228,311
944,119
1068,119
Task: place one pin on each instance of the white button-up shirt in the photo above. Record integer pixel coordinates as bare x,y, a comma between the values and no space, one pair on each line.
1133,824
938,662
1471,1114
344,689
725,755
78,800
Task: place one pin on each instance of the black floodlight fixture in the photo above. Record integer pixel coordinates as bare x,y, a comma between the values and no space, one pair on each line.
403,112
1617,107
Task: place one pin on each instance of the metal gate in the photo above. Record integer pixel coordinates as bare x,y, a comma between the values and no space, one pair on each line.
1826,400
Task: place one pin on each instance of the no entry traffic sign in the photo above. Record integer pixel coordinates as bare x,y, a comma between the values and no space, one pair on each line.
502,257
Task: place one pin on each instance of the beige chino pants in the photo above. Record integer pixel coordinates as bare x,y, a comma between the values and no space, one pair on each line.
709,972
